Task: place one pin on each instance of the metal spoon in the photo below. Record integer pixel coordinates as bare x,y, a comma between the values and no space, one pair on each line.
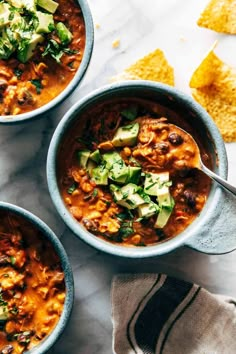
197,163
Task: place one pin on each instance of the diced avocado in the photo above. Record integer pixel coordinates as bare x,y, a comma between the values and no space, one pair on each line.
162,218
4,14
147,210
119,172
116,193
121,193
26,51
90,167
45,22
129,189
48,5
83,156
164,214
3,313
134,174
100,175
126,136
64,34
27,4
132,202
95,156
156,183
126,196
164,199
111,158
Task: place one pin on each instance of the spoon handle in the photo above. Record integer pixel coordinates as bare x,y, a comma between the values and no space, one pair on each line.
218,179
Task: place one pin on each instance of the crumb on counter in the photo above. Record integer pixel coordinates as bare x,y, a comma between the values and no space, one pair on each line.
182,39
97,25
116,43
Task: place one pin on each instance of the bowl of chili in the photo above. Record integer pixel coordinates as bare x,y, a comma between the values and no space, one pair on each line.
37,289
118,170
45,49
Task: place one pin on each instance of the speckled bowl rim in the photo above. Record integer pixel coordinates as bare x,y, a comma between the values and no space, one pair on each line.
110,91
38,113
47,343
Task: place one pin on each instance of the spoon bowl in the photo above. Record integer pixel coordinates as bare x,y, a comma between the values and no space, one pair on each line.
196,162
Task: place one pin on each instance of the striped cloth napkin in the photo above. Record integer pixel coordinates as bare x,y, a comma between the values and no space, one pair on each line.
154,313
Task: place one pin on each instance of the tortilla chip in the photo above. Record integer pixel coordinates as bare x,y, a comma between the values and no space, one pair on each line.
153,67
214,87
219,16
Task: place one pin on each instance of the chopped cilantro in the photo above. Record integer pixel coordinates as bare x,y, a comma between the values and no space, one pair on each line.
130,113
95,193
56,50
18,73
72,188
37,83
13,260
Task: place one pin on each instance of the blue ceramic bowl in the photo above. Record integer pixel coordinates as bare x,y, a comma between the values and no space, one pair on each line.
89,32
44,345
196,117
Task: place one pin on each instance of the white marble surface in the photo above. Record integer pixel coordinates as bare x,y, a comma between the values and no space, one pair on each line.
141,26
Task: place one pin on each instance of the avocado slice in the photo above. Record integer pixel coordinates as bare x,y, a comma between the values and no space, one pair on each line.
156,183
119,172
132,201
90,167
122,193
27,4
147,210
134,174
111,158
26,52
100,175
82,157
127,196
3,313
95,156
165,213
45,22
126,136
48,5
64,34
4,14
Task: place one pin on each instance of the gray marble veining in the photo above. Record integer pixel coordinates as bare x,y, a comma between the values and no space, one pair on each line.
141,27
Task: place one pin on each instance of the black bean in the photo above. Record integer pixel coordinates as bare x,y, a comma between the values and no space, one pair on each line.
90,225
175,139
162,147
190,198
8,349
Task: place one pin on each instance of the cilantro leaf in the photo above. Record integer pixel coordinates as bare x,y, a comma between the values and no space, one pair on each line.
37,83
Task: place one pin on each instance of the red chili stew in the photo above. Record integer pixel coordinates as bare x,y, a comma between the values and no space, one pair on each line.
27,84
125,173
32,288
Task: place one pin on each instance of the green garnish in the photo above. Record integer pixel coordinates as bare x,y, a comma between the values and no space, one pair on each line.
56,50
13,260
18,73
95,193
37,83
130,113
72,188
